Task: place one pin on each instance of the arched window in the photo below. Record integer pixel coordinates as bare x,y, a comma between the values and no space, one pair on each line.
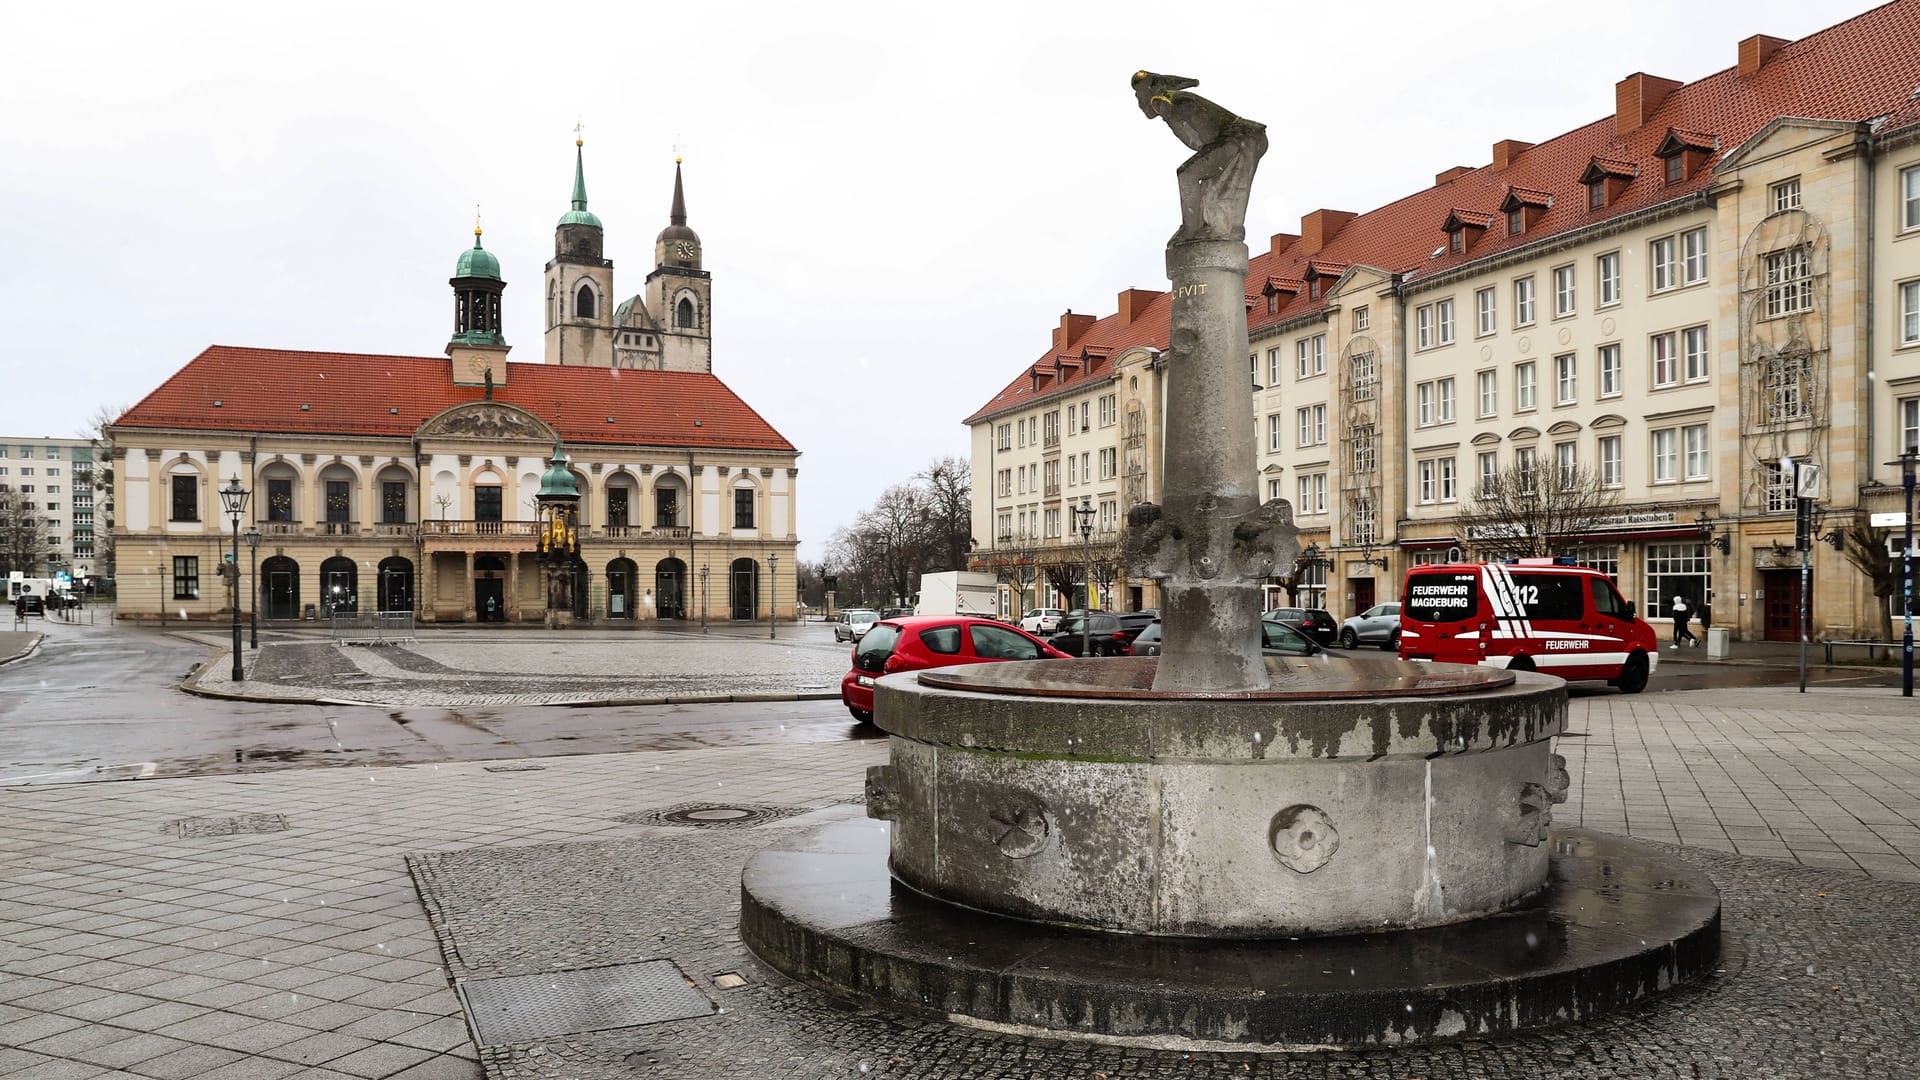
583,302
683,315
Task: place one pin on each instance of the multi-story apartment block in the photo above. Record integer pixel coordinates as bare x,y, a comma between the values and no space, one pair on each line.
1721,275
407,483
55,477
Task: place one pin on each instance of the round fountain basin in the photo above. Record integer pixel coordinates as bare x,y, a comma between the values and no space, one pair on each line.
1358,794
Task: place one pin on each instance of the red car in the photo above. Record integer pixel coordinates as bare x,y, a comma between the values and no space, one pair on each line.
913,642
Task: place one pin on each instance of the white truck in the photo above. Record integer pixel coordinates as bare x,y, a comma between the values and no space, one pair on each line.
959,592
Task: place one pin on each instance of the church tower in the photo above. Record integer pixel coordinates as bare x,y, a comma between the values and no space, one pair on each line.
679,292
579,285
478,349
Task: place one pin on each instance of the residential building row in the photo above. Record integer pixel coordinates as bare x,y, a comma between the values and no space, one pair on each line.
407,483
53,482
1721,277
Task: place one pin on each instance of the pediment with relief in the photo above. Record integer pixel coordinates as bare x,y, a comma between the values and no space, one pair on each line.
488,420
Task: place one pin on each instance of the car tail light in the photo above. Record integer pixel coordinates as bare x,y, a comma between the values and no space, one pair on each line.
892,665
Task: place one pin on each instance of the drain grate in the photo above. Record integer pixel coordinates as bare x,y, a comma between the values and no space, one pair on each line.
514,768
528,1008
710,815
226,826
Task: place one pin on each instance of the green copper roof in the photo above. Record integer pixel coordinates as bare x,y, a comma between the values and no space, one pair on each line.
477,262
579,215
558,482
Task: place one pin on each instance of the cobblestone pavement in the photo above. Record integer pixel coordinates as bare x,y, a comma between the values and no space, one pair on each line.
531,667
267,926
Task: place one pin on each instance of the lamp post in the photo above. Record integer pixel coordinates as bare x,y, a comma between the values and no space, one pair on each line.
253,602
233,499
1083,520
773,593
1907,461
703,597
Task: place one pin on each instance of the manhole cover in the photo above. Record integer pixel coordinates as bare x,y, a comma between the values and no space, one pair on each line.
709,815
528,1008
513,768
227,826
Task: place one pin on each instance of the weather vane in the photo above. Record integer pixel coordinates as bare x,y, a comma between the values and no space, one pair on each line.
579,126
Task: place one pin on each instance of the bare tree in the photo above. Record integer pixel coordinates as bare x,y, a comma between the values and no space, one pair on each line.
1866,548
1015,560
948,489
1528,512
99,435
23,534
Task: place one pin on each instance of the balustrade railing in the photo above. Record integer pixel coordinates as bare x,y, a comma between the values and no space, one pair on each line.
479,528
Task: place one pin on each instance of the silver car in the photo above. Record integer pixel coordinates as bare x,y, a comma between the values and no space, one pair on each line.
1378,625
854,623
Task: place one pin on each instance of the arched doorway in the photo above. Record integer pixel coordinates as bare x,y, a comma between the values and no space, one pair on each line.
339,587
489,588
396,584
280,588
621,575
669,589
746,589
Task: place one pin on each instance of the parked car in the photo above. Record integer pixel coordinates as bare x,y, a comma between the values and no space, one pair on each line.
1042,620
1133,622
1277,638
31,604
895,612
1316,623
913,642
853,623
1378,625
1105,634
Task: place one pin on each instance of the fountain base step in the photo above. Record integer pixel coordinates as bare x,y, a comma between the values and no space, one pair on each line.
1619,922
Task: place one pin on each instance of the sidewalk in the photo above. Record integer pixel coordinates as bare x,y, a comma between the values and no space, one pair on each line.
18,644
315,924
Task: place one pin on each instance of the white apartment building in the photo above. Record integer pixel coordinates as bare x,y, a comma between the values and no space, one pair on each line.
56,476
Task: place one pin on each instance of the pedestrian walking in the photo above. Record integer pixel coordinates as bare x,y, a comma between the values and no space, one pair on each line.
1680,632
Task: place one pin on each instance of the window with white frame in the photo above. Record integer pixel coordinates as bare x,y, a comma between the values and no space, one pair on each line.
1312,425
1053,523
1910,198
1311,358
1109,515
1449,480
1693,256
1607,269
1523,386
1489,393
1313,493
1566,464
1086,466
1611,473
1366,379
1784,195
1424,393
1360,319
1563,294
1604,559
1072,425
1910,425
1423,326
1364,457
1109,463
1696,361
1778,485
1665,267
1363,520
1693,439
1675,570
1276,433
1566,382
1486,304
1429,480
1443,322
1523,301
1273,366
1910,313
1006,481
1253,371
1785,384
1666,360
1444,394
1526,468
1488,464
1073,470
1109,410
1666,456
1609,358
1789,282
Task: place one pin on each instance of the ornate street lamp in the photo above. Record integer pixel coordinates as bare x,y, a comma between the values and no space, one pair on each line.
559,538
1083,520
773,592
703,598
253,602
233,499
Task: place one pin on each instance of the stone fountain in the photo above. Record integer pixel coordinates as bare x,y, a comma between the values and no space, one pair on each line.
1213,846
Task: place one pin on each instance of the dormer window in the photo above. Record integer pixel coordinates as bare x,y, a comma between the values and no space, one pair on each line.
1596,195
1683,153
1516,222
1457,240
1524,207
1606,180
1463,227
1273,302
1313,288
1676,169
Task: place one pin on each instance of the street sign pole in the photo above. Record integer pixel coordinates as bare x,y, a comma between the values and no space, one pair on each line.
1803,539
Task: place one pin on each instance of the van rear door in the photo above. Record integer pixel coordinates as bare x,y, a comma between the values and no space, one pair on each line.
1441,615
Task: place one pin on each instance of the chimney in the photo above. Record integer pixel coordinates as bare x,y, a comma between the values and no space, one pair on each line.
1070,329
1756,51
1451,174
1506,150
1318,229
1636,98
1135,301
1280,242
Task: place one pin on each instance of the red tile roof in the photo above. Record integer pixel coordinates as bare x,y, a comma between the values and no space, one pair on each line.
263,390
1860,69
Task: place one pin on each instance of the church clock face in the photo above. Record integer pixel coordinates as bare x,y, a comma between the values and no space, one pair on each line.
479,366
685,249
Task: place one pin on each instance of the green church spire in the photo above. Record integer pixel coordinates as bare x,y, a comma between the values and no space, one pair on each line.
579,215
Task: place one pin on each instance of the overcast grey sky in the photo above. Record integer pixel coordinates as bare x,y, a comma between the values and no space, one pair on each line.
897,200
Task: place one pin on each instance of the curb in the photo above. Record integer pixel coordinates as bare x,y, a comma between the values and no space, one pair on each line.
28,651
